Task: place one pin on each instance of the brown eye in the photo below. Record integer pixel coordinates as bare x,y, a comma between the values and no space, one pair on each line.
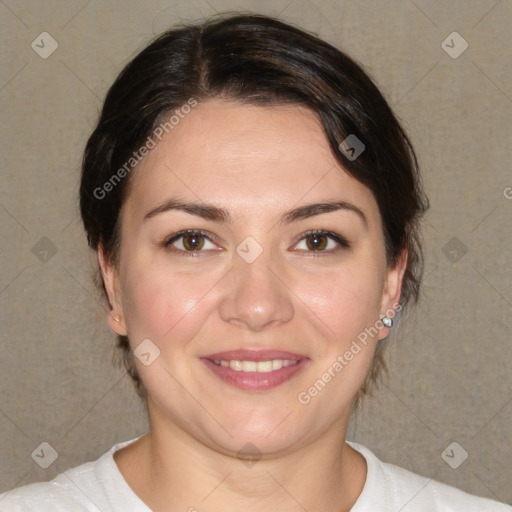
316,242
322,242
193,241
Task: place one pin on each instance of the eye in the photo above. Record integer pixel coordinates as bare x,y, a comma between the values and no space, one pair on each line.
323,241
190,241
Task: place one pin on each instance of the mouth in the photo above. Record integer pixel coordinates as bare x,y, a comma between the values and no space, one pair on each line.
255,370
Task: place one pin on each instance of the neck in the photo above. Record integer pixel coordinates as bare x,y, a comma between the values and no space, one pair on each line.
170,470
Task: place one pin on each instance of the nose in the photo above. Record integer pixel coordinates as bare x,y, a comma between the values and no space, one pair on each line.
256,296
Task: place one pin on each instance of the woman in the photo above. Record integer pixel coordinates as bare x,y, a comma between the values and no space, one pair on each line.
254,205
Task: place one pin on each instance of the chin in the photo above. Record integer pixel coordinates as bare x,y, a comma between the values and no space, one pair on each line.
266,436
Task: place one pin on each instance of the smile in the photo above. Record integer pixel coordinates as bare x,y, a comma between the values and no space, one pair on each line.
255,375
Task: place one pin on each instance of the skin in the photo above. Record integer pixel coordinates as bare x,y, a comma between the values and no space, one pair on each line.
256,162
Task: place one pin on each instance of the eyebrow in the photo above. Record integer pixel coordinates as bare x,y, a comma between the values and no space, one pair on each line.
216,214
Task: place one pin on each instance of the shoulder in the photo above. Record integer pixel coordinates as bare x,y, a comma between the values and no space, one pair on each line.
61,494
390,487
418,493
94,486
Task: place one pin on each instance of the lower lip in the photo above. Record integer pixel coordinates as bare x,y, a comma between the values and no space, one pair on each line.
255,381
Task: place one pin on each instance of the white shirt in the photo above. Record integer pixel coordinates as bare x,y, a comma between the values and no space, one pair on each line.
99,486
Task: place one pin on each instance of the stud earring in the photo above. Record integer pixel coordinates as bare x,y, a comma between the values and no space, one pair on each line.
117,318
387,321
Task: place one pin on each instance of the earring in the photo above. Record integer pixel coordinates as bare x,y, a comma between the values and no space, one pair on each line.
117,318
387,321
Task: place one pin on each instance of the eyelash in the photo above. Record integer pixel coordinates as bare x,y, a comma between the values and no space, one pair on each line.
341,241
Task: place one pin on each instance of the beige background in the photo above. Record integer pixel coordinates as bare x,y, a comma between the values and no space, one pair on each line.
449,379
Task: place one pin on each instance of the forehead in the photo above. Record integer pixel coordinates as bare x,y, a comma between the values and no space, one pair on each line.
245,156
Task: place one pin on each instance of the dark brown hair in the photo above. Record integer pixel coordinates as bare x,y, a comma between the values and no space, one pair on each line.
258,60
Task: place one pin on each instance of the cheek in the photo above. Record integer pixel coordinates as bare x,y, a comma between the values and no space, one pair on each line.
347,303
345,300
158,304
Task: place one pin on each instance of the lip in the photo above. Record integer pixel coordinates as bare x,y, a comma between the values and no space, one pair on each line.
255,381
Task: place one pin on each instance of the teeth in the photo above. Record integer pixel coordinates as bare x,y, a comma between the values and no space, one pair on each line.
236,365
264,366
277,364
257,366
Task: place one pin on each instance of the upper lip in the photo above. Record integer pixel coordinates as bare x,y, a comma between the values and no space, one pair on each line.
254,355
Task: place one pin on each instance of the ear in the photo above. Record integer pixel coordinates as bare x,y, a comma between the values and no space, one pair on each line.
110,279
393,290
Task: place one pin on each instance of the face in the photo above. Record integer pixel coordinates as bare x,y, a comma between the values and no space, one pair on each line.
258,278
